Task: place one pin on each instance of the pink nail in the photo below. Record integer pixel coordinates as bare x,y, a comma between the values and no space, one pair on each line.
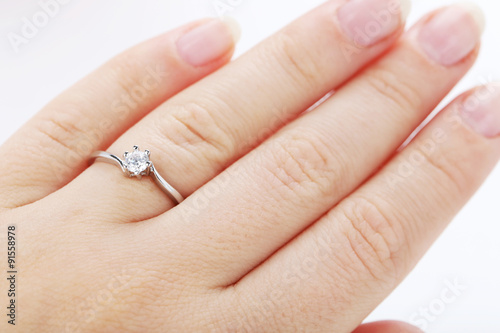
452,34
481,110
208,42
368,21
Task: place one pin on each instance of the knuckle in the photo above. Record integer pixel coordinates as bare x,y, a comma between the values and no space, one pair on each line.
389,84
193,127
62,129
447,168
300,163
375,239
299,64
127,72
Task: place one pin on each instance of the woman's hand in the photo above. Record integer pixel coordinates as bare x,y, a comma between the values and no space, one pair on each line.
293,221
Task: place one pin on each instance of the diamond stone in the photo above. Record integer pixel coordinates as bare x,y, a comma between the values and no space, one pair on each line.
136,162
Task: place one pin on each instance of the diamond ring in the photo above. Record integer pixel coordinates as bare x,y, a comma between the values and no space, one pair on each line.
137,164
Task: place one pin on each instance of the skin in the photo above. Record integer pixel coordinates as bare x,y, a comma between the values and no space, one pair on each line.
289,224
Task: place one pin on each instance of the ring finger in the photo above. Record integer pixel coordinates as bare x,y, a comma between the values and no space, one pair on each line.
53,147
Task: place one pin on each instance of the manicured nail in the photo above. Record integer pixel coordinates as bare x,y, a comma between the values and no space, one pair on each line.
368,21
452,33
208,42
481,110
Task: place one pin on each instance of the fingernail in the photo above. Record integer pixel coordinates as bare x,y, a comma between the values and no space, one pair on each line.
452,33
208,42
368,21
481,110
407,328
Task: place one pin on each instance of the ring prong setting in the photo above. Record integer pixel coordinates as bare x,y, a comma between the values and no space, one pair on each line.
137,163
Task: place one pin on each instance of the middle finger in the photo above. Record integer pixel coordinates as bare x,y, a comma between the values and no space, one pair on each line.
308,167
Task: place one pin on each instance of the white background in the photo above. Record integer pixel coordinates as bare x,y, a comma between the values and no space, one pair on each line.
86,33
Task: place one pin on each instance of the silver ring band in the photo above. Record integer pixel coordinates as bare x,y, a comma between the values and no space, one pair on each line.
138,164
